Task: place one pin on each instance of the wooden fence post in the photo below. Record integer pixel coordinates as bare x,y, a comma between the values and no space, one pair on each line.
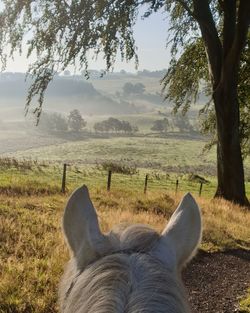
176,186
146,184
64,178
109,180
200,189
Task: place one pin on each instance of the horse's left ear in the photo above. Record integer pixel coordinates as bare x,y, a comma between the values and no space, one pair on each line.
182,235
81,228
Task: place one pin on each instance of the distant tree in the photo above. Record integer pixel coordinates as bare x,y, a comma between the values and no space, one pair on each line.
60,122
135,129
129,88
52,122
75,121
114,125
46,123
161,125
101,127
98,127
139,88
126,127
182,123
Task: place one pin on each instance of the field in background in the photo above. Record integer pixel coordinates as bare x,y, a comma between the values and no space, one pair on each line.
168,155
145,152
27,177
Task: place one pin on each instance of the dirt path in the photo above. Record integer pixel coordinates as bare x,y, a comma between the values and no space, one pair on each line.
215,281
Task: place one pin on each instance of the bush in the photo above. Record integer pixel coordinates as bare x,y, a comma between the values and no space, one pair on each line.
121,167
114,125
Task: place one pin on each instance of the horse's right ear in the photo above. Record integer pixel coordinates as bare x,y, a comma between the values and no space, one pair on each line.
182,235
81,228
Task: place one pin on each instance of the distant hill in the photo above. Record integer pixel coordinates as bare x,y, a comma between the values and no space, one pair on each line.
67,92
97,96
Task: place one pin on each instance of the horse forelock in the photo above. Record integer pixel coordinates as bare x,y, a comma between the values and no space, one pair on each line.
128,280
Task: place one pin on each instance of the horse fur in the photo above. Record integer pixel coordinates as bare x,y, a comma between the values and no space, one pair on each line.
132,269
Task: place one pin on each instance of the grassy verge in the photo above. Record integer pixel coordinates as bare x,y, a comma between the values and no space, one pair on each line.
33,178
245,303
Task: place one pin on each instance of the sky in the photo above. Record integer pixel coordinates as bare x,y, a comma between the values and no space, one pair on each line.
151,37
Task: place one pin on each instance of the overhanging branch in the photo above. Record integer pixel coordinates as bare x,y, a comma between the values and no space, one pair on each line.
186,7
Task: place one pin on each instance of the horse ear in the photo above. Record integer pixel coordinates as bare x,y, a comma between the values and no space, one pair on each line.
81,228
182,235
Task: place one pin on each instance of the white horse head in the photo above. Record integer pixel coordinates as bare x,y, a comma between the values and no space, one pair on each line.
132,269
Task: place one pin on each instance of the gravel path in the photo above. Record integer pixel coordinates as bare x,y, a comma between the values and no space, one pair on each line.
215,281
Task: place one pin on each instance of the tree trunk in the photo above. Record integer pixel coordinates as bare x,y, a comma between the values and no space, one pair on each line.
230,170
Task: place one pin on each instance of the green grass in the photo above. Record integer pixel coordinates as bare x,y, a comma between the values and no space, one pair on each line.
146,152
46,178
32,250
176,155
33,253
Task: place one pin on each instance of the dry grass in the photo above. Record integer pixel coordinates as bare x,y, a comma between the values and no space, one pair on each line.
245,303
33,252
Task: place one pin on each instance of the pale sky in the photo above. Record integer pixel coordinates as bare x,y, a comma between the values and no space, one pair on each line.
151,36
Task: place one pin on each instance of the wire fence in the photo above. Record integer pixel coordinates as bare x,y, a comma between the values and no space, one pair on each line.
32,177
143,181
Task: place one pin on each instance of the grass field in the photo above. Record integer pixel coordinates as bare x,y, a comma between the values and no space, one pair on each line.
153,152
33,252
33,177
166,154
32,249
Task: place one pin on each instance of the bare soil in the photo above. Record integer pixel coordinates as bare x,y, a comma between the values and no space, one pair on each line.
216,281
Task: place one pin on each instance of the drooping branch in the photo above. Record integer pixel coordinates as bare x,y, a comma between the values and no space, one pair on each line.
186,7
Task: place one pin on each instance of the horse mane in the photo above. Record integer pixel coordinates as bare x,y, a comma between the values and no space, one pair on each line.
130,280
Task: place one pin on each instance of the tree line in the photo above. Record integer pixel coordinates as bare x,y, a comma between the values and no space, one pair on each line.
57,122
114,125
180,122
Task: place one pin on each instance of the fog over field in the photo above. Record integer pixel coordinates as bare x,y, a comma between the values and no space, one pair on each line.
133,98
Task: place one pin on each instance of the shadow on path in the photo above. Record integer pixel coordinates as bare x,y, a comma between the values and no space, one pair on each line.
216,281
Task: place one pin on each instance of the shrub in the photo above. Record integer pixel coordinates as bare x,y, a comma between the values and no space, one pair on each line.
121,167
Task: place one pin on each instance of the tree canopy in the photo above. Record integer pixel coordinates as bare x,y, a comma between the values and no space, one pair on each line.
61,33
114,125
160,125
76,121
